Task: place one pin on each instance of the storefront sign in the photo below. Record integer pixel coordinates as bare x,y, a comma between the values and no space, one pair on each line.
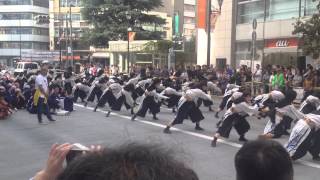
281,43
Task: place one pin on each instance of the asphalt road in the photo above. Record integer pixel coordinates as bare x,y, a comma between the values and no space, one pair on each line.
25,144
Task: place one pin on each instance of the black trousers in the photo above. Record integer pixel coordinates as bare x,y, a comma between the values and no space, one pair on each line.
308,109
96,92
235,120
188,110
307,146
148,103
114,103
224,102
79,94
173,100
280,128
43,107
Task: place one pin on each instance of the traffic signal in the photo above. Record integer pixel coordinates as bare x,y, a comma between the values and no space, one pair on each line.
42,19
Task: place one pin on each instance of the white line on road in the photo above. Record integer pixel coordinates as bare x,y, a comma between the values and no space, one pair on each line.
202,136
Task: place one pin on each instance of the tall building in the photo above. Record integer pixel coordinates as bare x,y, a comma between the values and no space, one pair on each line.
275,42
61,36
19,32
222,33
189,18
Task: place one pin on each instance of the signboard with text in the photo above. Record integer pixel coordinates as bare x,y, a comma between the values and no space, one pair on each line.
281,43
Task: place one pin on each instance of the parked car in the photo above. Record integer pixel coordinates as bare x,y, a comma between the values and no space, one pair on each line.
26,67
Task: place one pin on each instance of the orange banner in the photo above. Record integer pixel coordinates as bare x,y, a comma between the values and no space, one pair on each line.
131,35
202,13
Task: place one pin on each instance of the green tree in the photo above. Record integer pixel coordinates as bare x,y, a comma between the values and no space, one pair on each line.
158,47
110,20
308,30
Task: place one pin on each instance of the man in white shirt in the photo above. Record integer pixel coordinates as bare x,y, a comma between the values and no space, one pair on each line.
42,91
257,78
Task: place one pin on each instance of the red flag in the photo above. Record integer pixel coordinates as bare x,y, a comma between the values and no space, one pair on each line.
131,35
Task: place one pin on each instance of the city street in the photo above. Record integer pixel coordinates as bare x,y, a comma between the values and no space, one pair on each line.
25,144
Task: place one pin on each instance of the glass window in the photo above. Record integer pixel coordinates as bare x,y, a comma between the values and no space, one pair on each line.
24,30
40,46
66,3
15,45
189,8
15,2
311,7
41,3
282,9
248,10
15,16
189,20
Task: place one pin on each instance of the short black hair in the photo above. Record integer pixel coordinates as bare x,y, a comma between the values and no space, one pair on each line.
132,161
263,160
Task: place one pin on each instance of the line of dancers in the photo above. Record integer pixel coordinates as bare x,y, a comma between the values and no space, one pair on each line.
185,98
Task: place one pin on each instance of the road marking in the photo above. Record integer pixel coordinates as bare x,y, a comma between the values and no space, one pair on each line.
202,136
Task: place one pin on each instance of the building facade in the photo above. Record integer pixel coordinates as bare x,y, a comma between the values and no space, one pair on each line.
189,18
222,32
19,32
275,42
66,29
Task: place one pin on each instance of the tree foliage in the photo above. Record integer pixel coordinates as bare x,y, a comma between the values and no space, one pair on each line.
309,33
110,20
158,47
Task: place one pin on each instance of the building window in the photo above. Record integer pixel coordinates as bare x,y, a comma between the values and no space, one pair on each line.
248,10
66,3
41,3
15,45
189,20
282,9
15,16
15,2
189,32
188,8
40,46
25,30
311,7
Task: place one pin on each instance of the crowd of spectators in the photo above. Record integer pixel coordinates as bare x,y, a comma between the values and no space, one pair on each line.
265,79
261,159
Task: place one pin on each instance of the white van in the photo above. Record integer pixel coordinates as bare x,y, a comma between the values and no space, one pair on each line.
26,67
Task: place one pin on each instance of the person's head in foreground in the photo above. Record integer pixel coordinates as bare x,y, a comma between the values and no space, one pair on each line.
263,160
127,162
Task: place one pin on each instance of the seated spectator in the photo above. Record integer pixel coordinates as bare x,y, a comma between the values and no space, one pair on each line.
263,160
68,102
133,161
5,110
53,100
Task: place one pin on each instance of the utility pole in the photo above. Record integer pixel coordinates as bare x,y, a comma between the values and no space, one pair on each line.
209,32
67,38
20,40
60,33
71,43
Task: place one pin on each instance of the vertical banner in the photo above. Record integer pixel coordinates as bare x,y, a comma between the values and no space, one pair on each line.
202,14
176,23
131,36
202,36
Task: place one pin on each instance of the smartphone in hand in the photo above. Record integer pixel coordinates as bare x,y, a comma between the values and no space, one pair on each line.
77,150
